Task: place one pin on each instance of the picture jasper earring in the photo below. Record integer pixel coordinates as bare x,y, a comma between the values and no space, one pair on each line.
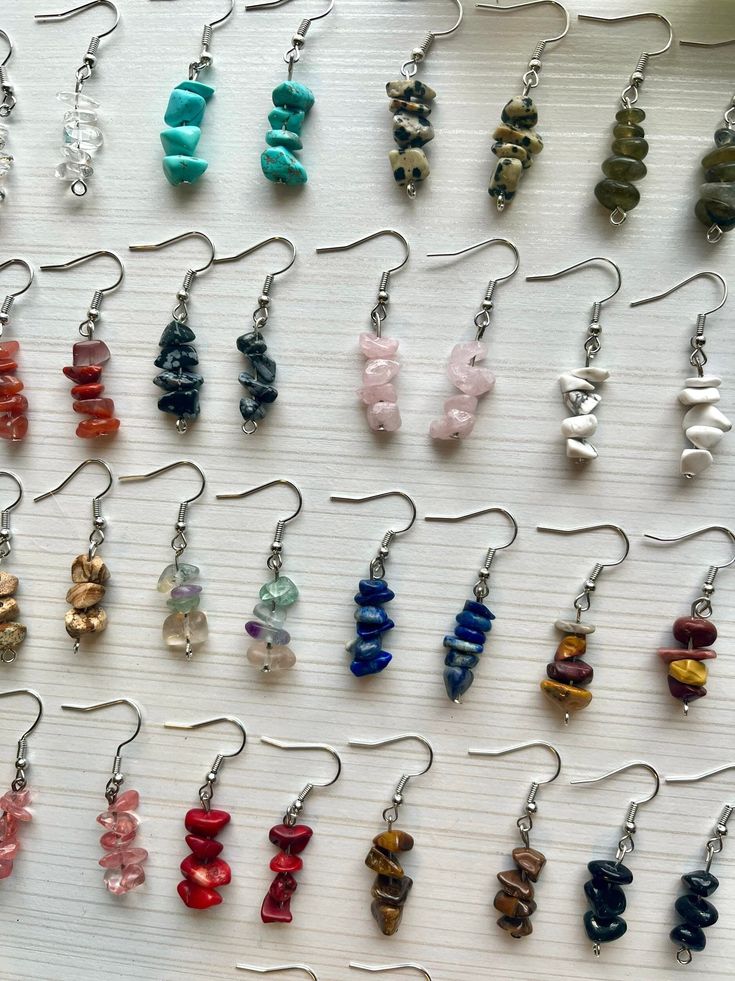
7,105
204,871
178,355
578,384
474,621
12,632
270,653
258,380
392,886
516,140
88,572
617,191
604,922
473,382
703,423
14,803
291,839
515,900
366,650
277,968
567,674
381,968
122,860
186,627
13,405
378,391
82,135
687,672
89,358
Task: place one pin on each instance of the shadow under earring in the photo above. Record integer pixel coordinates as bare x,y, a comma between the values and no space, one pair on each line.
14,803
13,405
7,93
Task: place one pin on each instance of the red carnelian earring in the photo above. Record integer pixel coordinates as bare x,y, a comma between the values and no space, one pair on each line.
204,871
13,405
291,838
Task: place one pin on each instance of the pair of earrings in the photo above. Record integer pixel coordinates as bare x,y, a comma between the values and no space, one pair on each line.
13,405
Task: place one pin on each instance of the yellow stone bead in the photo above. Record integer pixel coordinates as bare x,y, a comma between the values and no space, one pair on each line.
566,697
689,672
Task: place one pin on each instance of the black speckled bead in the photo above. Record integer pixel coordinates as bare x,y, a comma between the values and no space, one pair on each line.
516,144
411,104
177,358
617,192
257,380
181,385
183,404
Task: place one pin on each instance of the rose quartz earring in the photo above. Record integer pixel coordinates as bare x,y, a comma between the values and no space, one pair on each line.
378,391
122,861
14,804
472,381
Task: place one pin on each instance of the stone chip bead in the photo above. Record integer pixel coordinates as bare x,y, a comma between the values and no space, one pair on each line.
184,114
715,207
13,406
686,672
13,811
88,360
181,385
122,861
372,621
271,653
391,886
516,144
258,380
604,922
577,390
291,840
695,911
616,191
410,102
464,647
704,424
568,673
378,392
279,164
12,633
473,381
515,900
204,872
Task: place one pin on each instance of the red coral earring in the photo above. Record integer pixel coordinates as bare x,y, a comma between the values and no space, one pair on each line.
13,405
14,804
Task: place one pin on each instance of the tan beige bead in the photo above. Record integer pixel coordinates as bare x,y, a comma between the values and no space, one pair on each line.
84,569
81,622
8,584
82,595
8,610
12,635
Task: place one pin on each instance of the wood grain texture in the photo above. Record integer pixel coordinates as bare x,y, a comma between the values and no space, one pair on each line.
57,921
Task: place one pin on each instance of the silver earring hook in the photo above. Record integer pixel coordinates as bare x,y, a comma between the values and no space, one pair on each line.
278,967
19,497
625,17
9,55
8,655
294,809
694,778
377,564
116,779
165,469
419,53
279,3
260,245
293,54
707,44
62,15
531,76
279,481
72,475
380,968
621,769
153,247
206,791
21,761
87,326
10,297
481,588
205,57
706,272
390,813
579,265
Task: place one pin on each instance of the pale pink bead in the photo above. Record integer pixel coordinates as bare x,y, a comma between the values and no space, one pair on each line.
111,839
15,802
90,352
378,347
9,849
128,801
380,371
465,403
469,379
121,822
384,416
456,424
378,393
124,855
120,881
463,353
8,827
5,869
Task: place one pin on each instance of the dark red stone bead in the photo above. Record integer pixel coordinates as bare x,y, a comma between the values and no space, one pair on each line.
283,862
212,874
83,374
91,428
98,408
14,405
9,349
198,897
87,391
685,693
571,672
8,366
283,887
13,428
204,848
273,912
701,632
206,823
293,840
10,385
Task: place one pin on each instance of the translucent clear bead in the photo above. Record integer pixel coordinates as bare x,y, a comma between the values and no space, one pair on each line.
6,162
68,171
270,660
77,100
84,116
273,617
75,154
171,576
281,591
180,629
89,138
4,133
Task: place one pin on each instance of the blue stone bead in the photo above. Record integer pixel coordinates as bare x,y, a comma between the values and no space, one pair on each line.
473,636
455,659
462,645
473,622
374,615
368,630
457,681
293,95
369,586
282,137
184,108
183,170
363,649
479,609
181,140
205,91
375,599
280,166
362,668
290,119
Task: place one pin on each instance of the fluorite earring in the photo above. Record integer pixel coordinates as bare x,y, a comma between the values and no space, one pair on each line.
604,922
568,674
14,803
516,141
617,191
82,135
13,405
578,384
186,627
89,358
703,423
378,391
366,650
258,380
291,839
270,653
204,871
7,92
178,356
122,859
465,646
515,900
686,670
12,632
472,381
392,885
88,572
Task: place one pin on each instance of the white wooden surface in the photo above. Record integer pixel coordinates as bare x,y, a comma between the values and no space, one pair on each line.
57,920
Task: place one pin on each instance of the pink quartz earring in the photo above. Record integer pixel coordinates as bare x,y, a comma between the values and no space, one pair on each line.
378,391
472,380
14,804
122,860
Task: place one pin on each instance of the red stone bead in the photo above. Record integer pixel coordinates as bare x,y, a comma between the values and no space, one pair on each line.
90,352
669,654
293,840
283,887
13,428
571,672
91,391
283,862
90,428
206,823
198,897
204,848
8,366
701,632
83,374
685,693
14,405
8,349
10,385
211,874
99,408
273,912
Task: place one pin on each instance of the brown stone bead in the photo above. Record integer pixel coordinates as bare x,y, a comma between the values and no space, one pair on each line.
8,609
394,841
530,860
570,646
82,595
515,884
513,906
567,697
12,635
81,622
571,672
686,693
387,917
84,569
516,927
383,864
669,654
8,584
700,632
389,890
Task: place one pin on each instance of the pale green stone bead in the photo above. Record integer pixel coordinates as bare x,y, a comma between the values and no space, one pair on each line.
281,591
171,576
282,137
199,88
180,169
181,140
290,119
270,615
281,166
185,604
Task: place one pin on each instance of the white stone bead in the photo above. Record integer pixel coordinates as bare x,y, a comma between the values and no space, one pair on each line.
6,162
582,403
572,627
699,396
579,449
707,415
704,437
695,461
579,425
592,374
569,382
706,381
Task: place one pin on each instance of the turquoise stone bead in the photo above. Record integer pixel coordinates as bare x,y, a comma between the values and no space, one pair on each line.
281,591
205,91
184,109
281,166
183,170
282,137
293,95
181,140
183,605
290,119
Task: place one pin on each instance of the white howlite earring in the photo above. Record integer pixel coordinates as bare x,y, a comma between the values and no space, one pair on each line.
703,423
578,384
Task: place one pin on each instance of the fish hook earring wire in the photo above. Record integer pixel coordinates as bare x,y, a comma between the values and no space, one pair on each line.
277,968
14,424
380,968
12,633
7,105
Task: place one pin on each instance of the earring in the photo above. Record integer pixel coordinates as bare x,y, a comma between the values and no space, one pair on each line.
380,969
270,653
184,113
82,135
291,839
6,107
604,922
122,860
89,358
366,650
568,673
178,355
378,392
258,380
13,405
578,384
474,621
459,417
515,900
703,423
693,906
88,572
716,205
392,885
12,633
186,627
14,803
204,872
292,102
687,672
277,968
516,140
617,191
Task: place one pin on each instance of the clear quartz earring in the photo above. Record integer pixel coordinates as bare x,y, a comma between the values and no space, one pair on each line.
13,405
14,802
7,92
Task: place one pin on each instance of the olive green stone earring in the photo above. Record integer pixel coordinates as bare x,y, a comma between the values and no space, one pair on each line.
617,191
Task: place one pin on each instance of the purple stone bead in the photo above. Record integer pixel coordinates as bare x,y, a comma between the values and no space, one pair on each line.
90,352
186,591
269,635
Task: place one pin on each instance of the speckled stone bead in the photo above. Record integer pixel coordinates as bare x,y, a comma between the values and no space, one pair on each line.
716,205
410,102
257,381
280,166
616,192
281,137
292,102
293,95
183,116
180,384
464,646
520,111
505,179
516,144
410,129
409,166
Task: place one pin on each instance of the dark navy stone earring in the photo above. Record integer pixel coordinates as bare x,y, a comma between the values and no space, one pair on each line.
604,922
474,621
366,650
